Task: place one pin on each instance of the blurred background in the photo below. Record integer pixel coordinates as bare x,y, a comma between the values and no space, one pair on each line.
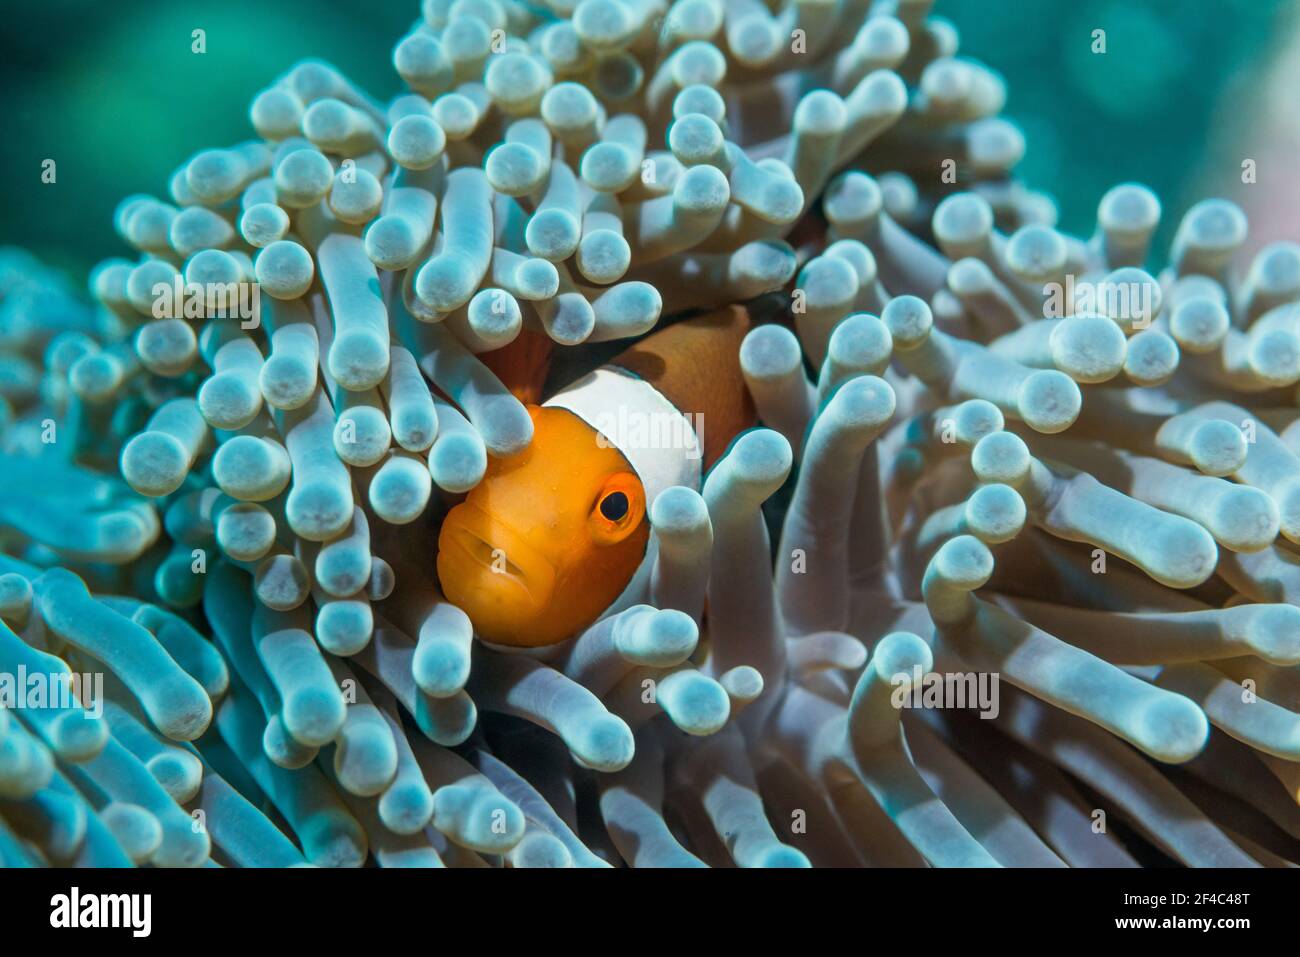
111,91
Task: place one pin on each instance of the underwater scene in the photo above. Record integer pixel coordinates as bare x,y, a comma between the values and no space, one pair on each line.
650,434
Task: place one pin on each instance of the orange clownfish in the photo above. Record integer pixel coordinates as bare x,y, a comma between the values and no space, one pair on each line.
558,533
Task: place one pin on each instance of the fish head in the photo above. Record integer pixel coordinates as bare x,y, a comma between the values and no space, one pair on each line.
548,539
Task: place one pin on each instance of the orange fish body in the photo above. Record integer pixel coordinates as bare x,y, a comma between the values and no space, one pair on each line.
557,534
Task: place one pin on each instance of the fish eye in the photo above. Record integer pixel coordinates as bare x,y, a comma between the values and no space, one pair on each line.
614,506
618,509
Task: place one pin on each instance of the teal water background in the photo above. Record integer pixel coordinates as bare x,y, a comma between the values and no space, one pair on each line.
112,92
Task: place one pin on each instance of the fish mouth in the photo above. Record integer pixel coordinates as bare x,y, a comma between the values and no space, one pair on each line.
483,561
484,552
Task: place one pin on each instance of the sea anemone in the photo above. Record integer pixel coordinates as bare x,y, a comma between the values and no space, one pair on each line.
1006,576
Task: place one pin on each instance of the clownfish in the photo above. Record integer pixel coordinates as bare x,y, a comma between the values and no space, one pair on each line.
558,533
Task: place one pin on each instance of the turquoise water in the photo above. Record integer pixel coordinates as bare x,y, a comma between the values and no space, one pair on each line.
113,93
